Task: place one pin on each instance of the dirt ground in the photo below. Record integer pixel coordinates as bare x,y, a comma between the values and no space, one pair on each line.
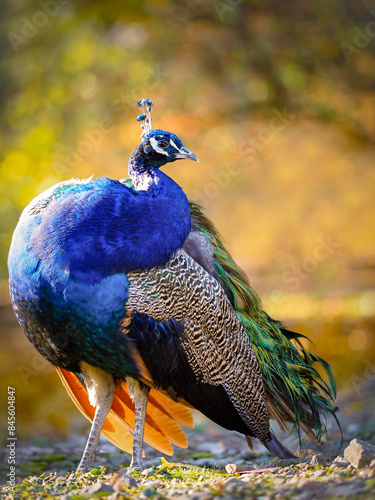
210,450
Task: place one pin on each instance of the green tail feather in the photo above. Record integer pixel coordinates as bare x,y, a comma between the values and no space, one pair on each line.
296,390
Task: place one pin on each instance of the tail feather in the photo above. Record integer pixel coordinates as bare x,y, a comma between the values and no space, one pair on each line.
283,412
296,391
178,412
114,429
276,448
122,407
162,420
157,421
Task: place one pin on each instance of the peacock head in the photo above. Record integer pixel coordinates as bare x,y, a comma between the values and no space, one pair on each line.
159,147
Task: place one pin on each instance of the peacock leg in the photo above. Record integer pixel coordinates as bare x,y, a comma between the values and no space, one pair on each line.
139,394
101,388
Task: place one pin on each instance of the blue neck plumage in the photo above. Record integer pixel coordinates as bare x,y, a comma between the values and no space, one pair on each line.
145,177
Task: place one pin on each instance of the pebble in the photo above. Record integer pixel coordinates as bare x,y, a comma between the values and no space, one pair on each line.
367,473
151,484
121,480
302,465
290,473
317,460
339,462
231,468
97,488
245,478
148,472
320,473
359,453
297,481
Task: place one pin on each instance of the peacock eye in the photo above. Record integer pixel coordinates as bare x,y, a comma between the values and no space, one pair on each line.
162,144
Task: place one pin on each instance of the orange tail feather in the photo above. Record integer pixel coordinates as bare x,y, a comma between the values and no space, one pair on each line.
162,419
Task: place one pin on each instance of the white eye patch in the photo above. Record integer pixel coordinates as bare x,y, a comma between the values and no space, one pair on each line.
155,147
174,145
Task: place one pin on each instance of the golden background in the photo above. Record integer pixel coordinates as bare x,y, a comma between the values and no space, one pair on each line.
276,99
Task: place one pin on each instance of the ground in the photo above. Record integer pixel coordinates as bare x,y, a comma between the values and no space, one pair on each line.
203,471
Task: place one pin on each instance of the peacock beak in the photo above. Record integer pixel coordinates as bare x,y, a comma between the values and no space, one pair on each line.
184,153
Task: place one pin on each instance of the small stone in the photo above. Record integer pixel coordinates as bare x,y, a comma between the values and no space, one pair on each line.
231,468
339,462
151,484
149,471
290,473
359,453
367,473
336,465
318,460
98,488
245,478
320,473
303,465
121,480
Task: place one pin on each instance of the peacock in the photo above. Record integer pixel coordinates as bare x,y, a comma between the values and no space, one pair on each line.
127,289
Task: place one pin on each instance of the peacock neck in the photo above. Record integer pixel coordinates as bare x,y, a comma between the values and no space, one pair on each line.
144,177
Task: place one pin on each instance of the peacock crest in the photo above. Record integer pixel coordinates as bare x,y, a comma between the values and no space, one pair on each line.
145,117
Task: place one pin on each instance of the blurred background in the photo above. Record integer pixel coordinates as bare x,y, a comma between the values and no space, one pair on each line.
276,99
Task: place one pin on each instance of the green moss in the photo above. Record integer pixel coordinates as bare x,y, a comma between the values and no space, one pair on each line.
203,454
32,467
180,477
50,457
